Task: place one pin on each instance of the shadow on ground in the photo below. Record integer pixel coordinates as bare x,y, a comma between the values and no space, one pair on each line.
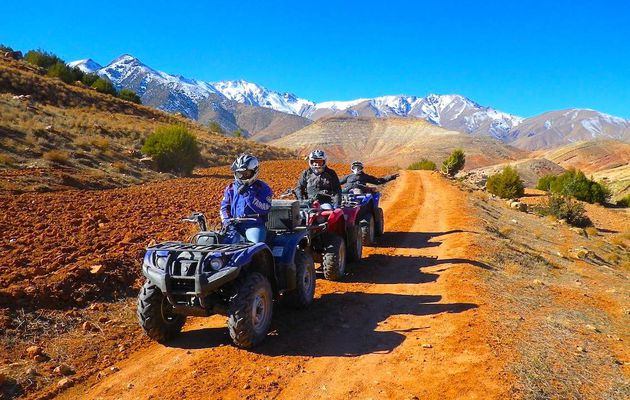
337,324
412,240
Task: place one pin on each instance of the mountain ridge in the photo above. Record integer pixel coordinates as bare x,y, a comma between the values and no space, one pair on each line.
213,101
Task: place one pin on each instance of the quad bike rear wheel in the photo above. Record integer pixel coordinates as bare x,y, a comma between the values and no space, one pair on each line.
380,222
304,292
334,257
155,314
368,230
355,244
250,311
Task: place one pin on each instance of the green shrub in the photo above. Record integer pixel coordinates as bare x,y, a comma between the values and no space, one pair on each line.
507,184
42,58
173,148
624,201
574,183
565,207
104,86
544,183
129,95
65,73
89,79
423,164
237,133
454,163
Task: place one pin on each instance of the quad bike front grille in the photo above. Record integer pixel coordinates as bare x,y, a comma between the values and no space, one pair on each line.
182,285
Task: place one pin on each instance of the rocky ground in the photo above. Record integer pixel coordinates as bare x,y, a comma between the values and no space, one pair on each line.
464,297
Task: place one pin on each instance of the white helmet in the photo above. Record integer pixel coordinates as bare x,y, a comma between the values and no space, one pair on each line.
356,167
245,169
317,161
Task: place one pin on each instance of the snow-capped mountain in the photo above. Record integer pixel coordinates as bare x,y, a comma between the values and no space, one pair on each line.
88,65
236,104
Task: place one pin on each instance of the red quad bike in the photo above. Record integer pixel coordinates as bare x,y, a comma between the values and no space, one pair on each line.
335,233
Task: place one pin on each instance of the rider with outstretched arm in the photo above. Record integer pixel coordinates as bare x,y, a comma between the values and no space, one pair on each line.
247,196
319,182
358,178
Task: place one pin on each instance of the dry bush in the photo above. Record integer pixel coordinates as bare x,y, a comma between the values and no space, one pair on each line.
119,166
591,231
7,160
100,142
56,156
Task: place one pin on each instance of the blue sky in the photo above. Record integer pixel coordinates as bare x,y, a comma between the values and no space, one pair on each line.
522,57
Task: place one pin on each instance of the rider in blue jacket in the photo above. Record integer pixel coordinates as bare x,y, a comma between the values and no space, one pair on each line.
247,196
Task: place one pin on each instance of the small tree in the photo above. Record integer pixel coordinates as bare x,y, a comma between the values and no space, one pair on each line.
104,86
506,184
423,164
173,148
454,163
237,133
42,58
129,95
564,207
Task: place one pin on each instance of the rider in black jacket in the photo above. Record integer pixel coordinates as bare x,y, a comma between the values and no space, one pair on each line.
359,179
319,182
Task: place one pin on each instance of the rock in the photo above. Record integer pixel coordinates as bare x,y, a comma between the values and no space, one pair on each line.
64,383
246,386
114,368
3,378
130,386
562,221
581,253
97,269
29,371
88,326
538,282
40,358
32,351
517,205
103,319
580,349
579,231
427,346
121,348
63,370
591,328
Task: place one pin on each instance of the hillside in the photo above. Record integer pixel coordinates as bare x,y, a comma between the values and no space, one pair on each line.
394,141
529,169
55,135
591,156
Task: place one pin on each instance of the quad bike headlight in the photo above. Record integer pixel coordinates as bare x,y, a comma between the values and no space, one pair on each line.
216,263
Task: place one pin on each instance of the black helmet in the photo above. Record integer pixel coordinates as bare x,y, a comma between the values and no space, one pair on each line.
317,161
356,167
245,169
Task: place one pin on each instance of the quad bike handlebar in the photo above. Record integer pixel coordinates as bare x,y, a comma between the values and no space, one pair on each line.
197,218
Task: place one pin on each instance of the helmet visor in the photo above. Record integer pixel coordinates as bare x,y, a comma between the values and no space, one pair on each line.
244,174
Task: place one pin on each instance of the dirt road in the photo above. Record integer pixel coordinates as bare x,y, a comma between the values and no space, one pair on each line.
408,322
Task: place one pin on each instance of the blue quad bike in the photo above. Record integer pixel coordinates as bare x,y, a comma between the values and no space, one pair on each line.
370,217
207,276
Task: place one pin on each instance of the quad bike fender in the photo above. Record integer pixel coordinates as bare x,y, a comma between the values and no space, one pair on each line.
283,249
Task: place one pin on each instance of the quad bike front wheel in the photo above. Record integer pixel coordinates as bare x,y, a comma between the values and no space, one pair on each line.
302,295
355,244
334,257
380,222
368,231
250,311
155,314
